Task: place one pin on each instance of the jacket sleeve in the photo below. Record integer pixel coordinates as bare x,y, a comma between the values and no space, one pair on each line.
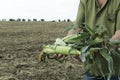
118,21
80,18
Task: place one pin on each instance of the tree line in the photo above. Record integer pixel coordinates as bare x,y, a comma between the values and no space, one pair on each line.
35,20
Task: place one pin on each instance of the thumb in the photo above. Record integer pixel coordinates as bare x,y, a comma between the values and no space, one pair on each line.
116,36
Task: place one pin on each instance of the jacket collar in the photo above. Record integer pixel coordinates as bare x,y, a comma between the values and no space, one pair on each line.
103,4
101,8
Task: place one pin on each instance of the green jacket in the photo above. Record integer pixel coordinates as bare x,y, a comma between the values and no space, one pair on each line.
89,12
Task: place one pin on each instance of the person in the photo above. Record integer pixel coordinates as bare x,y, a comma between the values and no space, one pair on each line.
100,12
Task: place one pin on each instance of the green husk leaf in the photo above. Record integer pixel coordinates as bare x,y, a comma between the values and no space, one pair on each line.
91,31
84,53
114,42
109,59
60,42
100,66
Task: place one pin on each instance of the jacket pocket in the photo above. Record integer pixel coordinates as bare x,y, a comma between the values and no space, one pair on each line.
111,17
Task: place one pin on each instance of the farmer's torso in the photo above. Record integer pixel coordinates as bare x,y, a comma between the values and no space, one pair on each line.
106,15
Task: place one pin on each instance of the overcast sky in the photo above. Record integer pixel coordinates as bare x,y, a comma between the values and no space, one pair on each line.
46,9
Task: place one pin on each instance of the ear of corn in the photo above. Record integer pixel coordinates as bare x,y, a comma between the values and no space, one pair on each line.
53,49
66,50
62,46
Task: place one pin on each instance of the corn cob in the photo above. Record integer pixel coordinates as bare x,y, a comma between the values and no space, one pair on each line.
52,49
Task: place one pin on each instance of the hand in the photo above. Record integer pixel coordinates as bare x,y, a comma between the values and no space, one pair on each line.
58,57
116,36
61,57
77,57
74,31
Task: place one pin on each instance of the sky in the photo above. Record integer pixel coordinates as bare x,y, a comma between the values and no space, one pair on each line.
39,9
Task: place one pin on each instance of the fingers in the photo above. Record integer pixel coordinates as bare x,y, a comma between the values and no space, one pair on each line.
77,57
61,57
116,36
58,56
74,31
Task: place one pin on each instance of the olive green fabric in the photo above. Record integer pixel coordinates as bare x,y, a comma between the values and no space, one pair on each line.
90,13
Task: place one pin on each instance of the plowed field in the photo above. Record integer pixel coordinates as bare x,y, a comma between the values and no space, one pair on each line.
20,46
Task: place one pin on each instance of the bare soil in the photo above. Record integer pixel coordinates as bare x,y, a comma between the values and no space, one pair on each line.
20,46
